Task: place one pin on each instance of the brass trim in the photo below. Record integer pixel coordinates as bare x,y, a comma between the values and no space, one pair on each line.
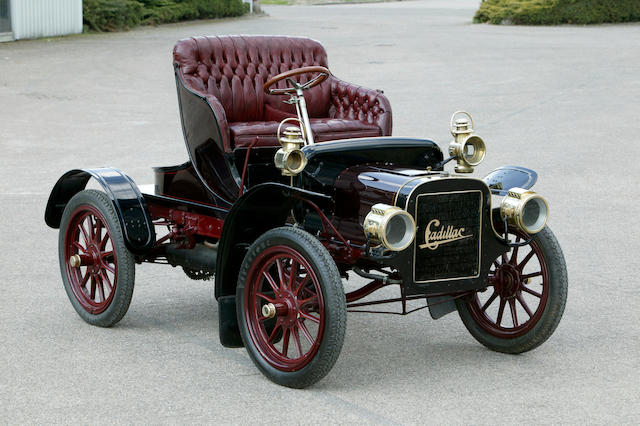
463,135
376,222
496,233
415,246
395,199
75,261
512,207
290,159
269,310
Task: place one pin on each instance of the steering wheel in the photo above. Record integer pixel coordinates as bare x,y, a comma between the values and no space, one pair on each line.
322,72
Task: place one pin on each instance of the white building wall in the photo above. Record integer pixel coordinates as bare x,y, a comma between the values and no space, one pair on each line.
45,18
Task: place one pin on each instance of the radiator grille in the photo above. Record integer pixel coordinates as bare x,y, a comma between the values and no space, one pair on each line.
448,236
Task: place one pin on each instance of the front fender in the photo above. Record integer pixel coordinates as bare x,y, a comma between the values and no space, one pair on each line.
129,203
261,208
502,179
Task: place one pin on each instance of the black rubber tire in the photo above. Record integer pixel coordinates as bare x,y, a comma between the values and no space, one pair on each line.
550,318
334,304
126,263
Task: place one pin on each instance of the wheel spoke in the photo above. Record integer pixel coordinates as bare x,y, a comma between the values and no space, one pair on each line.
310,317
104,241
87,240
307,300
296,340
293,273
514,253
91,228
98,230
106,253
100,286
265,297
274,332
496,264
528,290
525,260
285,341
79,246
271,281
306,333
500,311
85,279
105,279
303,284
92,294
281,274
514,314
309,289
535,274
489,301
524,305
109,268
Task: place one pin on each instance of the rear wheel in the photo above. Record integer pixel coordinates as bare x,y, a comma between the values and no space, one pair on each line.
525,298
291,307
97,268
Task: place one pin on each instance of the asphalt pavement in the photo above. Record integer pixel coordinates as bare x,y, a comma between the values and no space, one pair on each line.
560,100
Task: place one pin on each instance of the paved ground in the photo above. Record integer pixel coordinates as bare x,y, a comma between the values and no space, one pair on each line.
563,101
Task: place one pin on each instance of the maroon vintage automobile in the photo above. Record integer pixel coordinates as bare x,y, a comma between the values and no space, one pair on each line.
293,184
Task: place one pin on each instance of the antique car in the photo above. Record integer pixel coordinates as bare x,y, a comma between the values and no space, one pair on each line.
295,183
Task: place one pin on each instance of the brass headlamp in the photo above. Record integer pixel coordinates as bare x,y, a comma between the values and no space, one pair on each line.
468,148
290,159
525,209
390,226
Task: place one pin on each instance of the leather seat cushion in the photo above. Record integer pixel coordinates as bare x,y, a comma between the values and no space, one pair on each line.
324,129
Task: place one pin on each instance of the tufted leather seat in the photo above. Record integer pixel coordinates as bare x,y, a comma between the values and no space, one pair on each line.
230,72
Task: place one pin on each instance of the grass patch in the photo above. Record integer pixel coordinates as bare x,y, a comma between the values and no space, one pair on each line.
277,2
554,12
118,15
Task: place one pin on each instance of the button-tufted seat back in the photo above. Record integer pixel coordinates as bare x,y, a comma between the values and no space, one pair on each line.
230,72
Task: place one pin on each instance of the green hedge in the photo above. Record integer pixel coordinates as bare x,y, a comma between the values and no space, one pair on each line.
554,12
117,15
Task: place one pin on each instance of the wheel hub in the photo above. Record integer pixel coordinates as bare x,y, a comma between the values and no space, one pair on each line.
289,313
507,281
93,253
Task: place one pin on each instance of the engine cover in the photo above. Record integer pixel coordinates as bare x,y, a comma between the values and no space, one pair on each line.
455,243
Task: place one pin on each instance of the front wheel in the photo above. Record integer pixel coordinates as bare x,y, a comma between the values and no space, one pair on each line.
524,301
291,307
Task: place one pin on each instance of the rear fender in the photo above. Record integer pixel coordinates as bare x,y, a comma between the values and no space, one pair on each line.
129,203
502,179
261,208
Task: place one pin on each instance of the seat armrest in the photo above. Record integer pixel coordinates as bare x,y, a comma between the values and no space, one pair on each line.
221,118
353,102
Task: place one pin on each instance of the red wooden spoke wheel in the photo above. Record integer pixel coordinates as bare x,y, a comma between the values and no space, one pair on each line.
283,286
291,307
511,281
525,296
97,269
92,268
